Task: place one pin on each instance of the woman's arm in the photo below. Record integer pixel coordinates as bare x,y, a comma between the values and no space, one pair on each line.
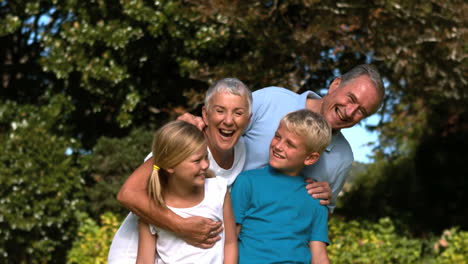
230,243
194,230
318,249
146,244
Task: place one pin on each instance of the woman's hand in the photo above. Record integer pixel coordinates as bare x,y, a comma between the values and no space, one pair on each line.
200,232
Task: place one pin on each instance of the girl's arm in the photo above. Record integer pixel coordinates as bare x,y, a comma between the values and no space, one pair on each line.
194,230
319,252
230,243
146,244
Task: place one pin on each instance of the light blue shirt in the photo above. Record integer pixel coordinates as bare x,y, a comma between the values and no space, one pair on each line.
269,106
278,217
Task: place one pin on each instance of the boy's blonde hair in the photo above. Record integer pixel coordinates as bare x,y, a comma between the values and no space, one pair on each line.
172,144
312,127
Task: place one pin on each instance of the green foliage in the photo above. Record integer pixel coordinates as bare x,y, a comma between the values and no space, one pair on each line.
454,247
9,24
380,242
403,187
41,185
93,241
110,163
367,242
351,242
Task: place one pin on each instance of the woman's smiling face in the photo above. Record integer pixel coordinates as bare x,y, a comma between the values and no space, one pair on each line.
226,119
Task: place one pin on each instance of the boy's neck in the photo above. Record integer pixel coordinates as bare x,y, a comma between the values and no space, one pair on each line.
292,173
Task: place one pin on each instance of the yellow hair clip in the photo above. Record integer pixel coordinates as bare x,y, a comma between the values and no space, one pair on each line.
155,167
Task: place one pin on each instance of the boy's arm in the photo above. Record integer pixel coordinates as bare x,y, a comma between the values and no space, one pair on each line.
230,243
318,249
318,237
146,244
197,231
238,229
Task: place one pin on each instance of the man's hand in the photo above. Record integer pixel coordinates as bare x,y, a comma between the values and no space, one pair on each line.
201,232
194,120
319,190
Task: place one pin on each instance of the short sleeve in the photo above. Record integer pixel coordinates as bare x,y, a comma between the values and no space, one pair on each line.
319,230
241,194
153,230
149,156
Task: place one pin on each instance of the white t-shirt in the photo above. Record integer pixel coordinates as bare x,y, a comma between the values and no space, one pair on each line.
124,247
239,159
171,249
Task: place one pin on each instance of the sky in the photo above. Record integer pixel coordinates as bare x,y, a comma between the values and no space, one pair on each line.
358,137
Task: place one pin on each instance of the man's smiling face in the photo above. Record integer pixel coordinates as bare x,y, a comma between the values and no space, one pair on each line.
347,104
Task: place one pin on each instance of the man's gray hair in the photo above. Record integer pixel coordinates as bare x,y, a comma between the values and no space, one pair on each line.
232,86
368,70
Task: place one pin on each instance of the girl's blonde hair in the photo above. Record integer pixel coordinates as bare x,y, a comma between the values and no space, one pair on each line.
172,144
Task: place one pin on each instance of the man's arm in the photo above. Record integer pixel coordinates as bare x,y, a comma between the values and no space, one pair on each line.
197,231
318,250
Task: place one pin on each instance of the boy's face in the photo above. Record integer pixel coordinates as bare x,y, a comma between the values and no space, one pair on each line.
288,153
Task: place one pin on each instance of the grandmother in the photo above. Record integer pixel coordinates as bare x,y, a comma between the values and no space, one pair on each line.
227,111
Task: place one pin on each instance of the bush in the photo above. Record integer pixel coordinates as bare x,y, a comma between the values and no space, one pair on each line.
351,242
367,242
453,247
93,241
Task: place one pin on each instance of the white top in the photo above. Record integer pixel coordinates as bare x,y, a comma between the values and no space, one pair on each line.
239,159
124,247
172,249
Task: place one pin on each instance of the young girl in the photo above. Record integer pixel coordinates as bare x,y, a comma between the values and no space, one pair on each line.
181,181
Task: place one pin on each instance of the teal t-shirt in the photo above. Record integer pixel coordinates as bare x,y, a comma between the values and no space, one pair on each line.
278,217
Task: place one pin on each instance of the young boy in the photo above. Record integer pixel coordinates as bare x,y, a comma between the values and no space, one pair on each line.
277,221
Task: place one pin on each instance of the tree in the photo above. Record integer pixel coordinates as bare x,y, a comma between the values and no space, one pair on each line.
41,184
111,161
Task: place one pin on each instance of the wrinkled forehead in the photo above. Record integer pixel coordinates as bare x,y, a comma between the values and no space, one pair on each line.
219,97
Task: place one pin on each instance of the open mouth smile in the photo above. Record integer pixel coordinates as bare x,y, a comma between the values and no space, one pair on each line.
341,116
276,155
226,133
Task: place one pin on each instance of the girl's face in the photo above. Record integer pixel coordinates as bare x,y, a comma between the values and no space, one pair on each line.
193,170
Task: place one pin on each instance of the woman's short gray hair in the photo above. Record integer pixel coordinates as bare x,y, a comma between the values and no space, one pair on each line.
232,86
